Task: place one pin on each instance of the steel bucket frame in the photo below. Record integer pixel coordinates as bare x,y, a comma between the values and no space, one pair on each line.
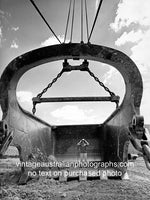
32,136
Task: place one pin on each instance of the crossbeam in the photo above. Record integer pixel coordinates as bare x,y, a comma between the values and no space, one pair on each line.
75,99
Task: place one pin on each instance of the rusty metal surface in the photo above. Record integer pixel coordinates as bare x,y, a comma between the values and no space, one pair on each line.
109,141
71,99
115,58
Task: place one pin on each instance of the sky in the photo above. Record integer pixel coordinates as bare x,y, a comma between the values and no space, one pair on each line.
121,24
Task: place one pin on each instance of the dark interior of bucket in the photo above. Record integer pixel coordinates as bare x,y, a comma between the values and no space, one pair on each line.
66,139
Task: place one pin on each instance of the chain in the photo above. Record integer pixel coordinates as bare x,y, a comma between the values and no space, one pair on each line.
46,88
50,84
59,75
100,83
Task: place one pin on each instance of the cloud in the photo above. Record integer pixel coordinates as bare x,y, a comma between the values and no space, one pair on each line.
14,45
131,12
24,96
140,53
15,28
132,36
74,114
1,27
25,99
135,15
1,12
1,36
96,5
7,27
141,36
52,40
107,76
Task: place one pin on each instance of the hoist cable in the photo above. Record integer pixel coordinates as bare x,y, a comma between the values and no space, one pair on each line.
81,20
67,23
37,9
72,20
100,3
86,14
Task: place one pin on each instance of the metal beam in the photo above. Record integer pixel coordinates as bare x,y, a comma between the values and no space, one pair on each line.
74,99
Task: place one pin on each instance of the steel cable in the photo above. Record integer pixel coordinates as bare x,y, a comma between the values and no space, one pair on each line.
67,23
86,14
37,9
81,20
100,3
72,21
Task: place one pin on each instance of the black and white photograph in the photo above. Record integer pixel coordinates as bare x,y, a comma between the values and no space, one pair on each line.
74,99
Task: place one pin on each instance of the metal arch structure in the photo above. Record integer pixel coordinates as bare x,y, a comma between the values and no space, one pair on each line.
34,137
115,58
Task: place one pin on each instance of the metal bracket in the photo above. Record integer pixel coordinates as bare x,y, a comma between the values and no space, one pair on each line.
137,126
67,67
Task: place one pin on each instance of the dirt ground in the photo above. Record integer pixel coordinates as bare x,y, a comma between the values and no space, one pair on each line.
137,187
